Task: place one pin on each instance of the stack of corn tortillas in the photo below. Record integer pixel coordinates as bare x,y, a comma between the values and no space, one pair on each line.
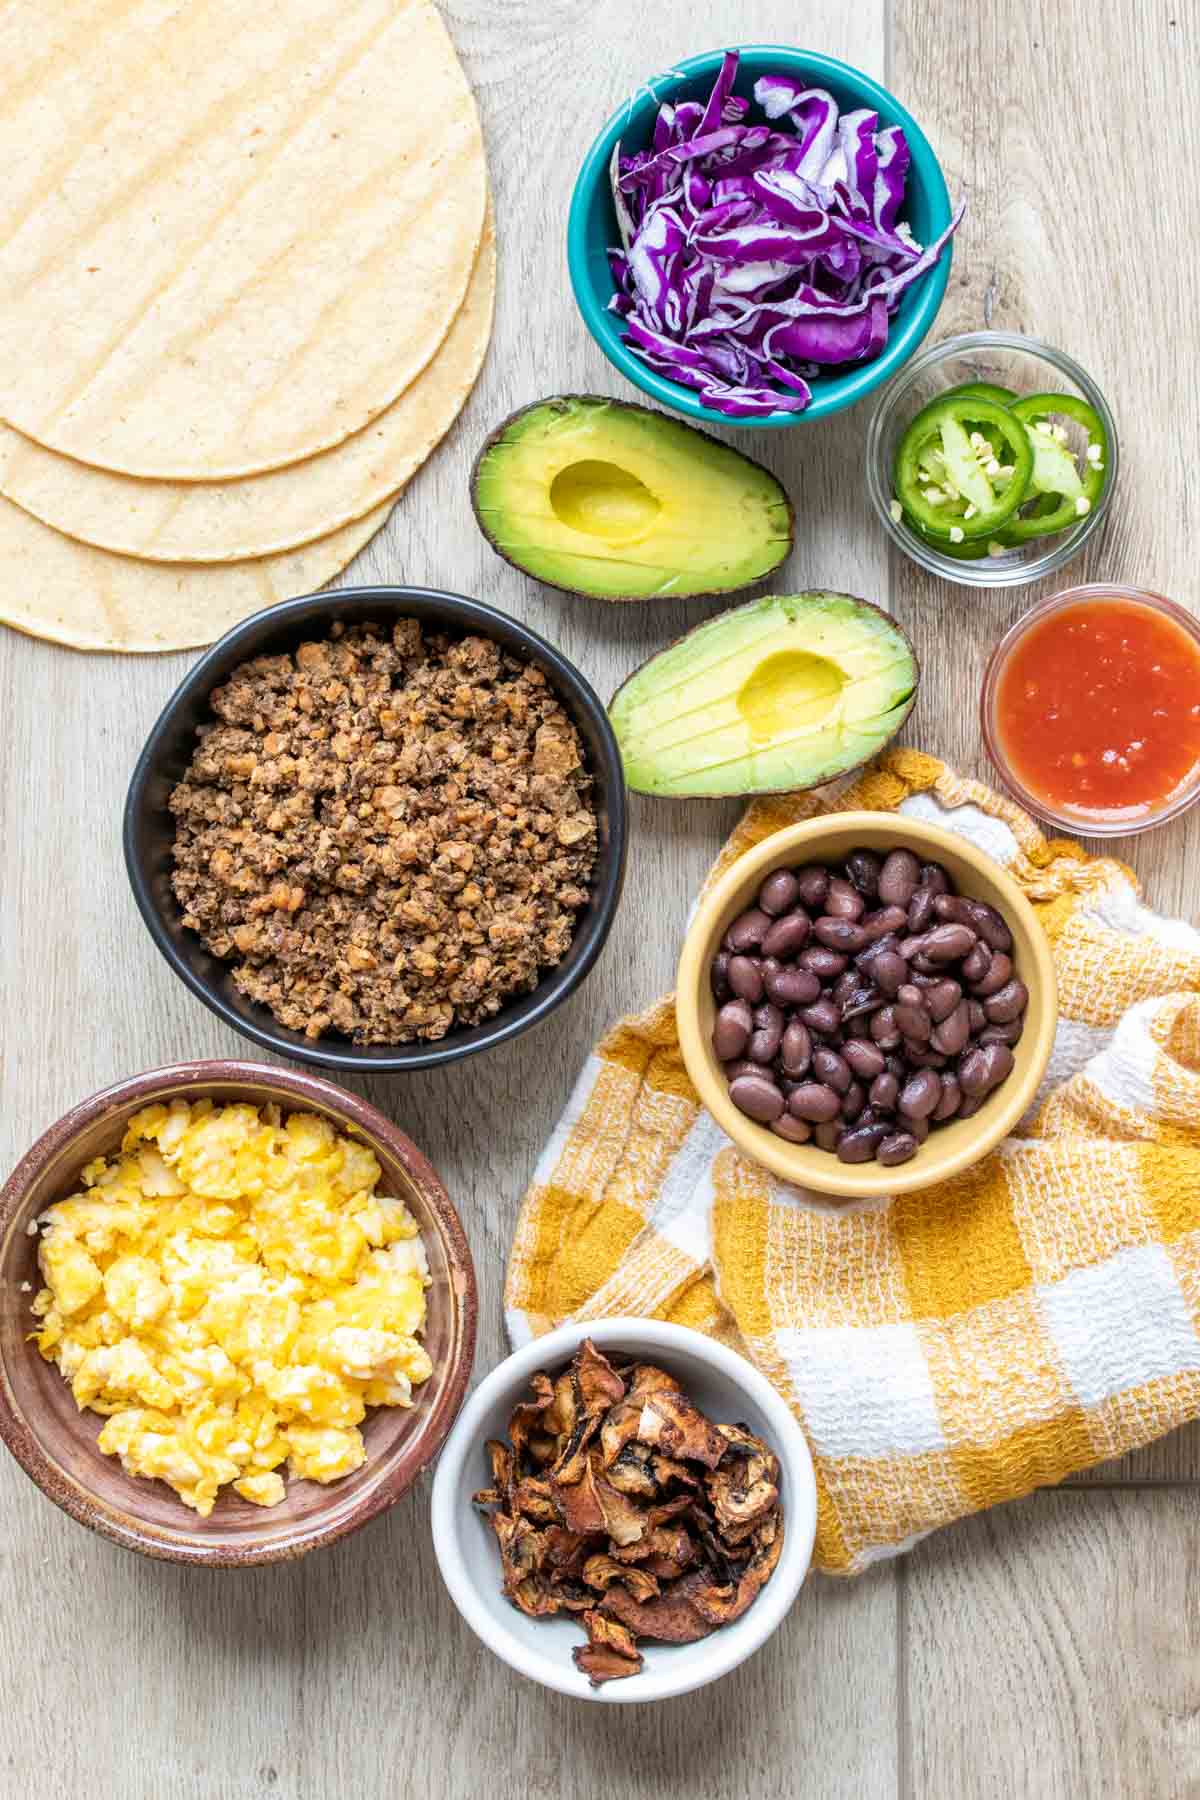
247,275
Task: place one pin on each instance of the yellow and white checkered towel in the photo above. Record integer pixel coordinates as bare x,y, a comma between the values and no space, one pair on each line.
954,1347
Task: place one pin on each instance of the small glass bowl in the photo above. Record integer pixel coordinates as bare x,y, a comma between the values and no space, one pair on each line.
1106,824
1028,367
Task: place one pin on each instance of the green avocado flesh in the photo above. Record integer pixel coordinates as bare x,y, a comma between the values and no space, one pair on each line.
783,693
605,498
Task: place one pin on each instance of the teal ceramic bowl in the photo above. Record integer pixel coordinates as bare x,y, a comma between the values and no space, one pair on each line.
592,225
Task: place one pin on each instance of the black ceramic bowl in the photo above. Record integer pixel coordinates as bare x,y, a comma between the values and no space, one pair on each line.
150,827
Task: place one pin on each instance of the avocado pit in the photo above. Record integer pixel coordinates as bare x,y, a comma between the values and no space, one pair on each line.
603,500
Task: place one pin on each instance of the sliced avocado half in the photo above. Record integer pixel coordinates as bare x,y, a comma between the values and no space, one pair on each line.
779,694
607,498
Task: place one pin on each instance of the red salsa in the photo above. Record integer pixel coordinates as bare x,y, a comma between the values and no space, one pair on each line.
1098,708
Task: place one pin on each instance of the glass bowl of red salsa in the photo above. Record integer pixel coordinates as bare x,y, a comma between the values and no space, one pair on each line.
1091,710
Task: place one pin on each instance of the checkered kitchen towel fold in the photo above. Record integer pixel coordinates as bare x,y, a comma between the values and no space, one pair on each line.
951,1348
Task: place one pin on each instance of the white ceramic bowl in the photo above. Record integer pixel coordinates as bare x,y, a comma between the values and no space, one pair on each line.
723,1385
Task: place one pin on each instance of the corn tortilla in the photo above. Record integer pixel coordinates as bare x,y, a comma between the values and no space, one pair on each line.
261,515
54,587
230,234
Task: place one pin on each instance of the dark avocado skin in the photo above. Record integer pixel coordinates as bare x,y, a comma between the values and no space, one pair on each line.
562,401
792,787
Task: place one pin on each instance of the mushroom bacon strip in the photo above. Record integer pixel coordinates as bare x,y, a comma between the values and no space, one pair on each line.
615,1498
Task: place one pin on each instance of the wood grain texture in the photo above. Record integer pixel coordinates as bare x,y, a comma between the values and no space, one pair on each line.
1053,1649
351,1673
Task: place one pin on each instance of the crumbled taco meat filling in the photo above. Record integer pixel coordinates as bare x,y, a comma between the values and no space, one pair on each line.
616,1499
387,834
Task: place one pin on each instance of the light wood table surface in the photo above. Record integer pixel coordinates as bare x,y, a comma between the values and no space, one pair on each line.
1048,1649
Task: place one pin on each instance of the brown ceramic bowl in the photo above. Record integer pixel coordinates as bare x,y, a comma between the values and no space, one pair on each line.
56,1444
949,1148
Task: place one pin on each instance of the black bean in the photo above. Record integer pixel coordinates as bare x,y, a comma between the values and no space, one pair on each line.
813,882
746,978
793,1131
911,947
814,1101
973,1073
920,1094
718,975
858,1025
884,1029
846,984
1000,1061
866,1059
919,1129
947,943
951,1098
757,1096
976,963
860,1143
853,1101
787,935
741,1065
971,1105
911,1017
748,930
952,908
1003,1034
976,1016
790,987
888,970
843,901
839,934
953,1032
1008,1003
795,1051
832,1069
989,925
884,1093
822,962
767,1035
897,1147
941,997
828,1134
997,975
863,869
920,1057
934,876
779,893
884,923
864,1000
824,1015
731,1029
895,1065
898,878
921,965
920,909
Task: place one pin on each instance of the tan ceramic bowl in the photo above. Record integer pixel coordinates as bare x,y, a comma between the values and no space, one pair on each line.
948,1148
56,1445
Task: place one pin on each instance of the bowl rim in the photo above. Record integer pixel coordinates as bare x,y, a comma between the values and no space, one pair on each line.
1100,827
253,637
798,1163
511,1376
831,394
986,572
170,1545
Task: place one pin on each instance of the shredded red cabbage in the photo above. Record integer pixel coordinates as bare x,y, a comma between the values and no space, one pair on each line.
755,256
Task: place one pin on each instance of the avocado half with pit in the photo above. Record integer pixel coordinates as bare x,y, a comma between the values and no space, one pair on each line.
782,693
606,498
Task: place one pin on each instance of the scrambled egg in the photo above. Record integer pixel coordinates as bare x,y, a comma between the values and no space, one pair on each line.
233,1294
